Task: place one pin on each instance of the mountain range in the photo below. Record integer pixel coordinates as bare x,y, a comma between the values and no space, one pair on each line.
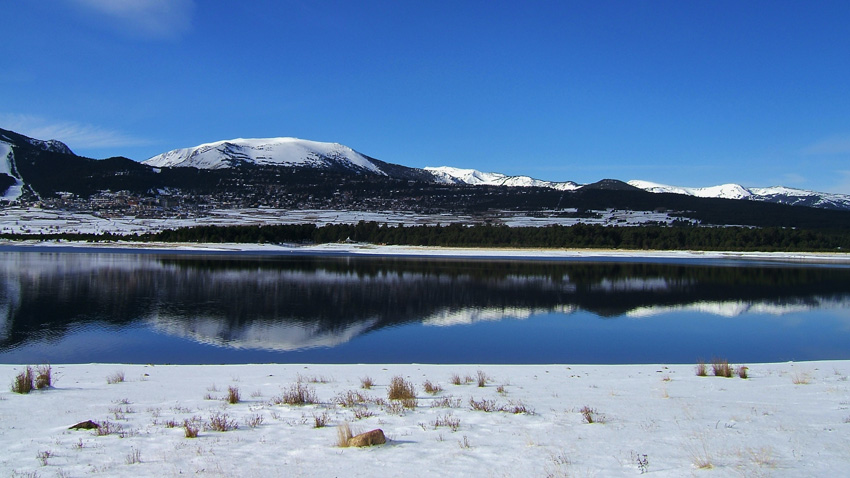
297,173
304,153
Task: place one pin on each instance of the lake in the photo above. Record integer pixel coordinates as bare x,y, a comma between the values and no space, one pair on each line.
81,307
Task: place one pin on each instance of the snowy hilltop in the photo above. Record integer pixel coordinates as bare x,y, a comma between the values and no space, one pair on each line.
269,151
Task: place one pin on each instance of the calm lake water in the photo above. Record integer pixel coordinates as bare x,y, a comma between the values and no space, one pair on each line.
148,308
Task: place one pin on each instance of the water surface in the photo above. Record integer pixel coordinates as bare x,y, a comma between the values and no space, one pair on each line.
149,308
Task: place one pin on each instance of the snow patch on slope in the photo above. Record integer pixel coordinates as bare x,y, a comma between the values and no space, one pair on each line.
264,151
449,175
7,157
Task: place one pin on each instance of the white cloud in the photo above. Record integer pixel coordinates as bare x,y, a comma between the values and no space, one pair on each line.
832,145
75,135
148,18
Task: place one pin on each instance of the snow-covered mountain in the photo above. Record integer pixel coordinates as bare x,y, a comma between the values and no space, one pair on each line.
775,194
268,151
449,175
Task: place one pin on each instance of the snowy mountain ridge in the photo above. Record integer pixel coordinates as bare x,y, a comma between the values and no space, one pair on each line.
777,194
265,151
449,175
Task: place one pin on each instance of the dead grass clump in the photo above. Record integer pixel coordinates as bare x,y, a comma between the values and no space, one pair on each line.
320,421
517,408
312,378
366,383
362,412
501,390
343,435
221,422
430,388
233,395
721,368
400,389
108,428
350,399
447,420
455,379
298,394
134,457
191,428
116,377
801,378
701,369
483,405
254,421
23,382
482,378
590,415
43,377
446,402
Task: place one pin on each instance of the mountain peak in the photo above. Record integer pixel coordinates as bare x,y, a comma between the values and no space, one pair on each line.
281,151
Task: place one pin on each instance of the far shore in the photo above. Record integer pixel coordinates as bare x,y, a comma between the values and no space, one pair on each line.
373,250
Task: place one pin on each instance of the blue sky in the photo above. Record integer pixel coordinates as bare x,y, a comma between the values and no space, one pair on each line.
684,93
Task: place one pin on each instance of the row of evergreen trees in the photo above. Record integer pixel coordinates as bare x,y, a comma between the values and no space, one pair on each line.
555,236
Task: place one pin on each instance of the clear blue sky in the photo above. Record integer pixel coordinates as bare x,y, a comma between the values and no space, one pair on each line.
692,93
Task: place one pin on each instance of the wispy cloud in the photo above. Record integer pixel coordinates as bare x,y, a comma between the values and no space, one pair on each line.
75,135
833,145
147,18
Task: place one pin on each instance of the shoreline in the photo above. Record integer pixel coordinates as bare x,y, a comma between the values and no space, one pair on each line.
372,250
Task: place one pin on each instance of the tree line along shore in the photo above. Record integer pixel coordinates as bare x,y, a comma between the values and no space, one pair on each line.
768,239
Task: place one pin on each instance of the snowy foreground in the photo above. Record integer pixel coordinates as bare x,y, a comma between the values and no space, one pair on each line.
787,419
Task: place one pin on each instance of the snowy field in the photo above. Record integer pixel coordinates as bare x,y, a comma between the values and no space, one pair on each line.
790,419
31,220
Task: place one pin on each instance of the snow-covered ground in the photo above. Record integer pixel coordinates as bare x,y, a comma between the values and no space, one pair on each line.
790,419
31,220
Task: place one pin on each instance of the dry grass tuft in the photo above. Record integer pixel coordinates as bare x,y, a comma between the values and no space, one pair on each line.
482,378
483,405
447,420
343,434
400,389
298,394
321,421
366,383
591,415
233,395
23,382
134,457
116,377
350,399
190,429
430,388
446,402
517,408
701,369
221,422
801,378
455,379
43,377
721,368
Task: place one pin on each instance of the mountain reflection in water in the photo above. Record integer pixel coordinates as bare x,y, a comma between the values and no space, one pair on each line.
298,303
